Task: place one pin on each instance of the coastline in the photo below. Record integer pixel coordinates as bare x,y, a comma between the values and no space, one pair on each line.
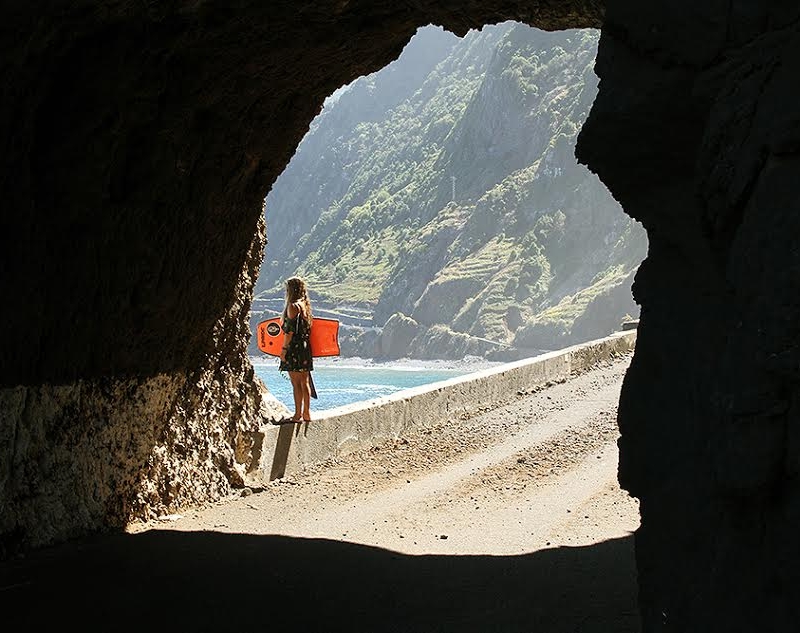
468,364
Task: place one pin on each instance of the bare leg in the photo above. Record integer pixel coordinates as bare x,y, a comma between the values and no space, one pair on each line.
306,396
297,391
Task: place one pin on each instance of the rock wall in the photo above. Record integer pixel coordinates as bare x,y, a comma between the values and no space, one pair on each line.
103,452
403,337
137,144
695,133
139,139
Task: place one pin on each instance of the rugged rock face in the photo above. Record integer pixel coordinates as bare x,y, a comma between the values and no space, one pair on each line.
402,335
101,452
137,143
694,133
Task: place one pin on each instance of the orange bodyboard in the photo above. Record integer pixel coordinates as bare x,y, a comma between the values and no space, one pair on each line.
324,337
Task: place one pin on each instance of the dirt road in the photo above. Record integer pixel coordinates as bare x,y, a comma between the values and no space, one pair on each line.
510,520
540,472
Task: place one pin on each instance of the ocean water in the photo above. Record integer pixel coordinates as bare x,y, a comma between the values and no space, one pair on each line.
343,381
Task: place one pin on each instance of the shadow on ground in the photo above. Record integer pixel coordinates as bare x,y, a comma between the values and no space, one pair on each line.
209,581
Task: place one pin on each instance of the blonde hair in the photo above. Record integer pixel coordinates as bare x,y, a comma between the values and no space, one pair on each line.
296,292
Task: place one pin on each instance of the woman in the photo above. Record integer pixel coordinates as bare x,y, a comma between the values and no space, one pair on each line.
296,352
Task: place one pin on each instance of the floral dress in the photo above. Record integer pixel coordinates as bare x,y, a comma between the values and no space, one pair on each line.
298,354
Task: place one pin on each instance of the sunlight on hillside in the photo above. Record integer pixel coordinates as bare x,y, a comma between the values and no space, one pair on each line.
444,189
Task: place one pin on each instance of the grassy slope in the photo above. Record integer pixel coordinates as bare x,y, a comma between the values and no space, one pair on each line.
531,239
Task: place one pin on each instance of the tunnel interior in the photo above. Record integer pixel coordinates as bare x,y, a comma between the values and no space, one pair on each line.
139,140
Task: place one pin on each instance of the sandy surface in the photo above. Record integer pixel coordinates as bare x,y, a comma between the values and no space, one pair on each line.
539,472
507,521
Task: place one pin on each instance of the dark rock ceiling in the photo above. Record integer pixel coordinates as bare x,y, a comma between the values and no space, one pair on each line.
139,139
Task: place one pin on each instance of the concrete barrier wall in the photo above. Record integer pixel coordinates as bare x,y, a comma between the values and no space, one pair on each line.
288,448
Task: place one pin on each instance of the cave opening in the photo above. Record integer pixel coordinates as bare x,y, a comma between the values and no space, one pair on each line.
132,380
380,137
436,208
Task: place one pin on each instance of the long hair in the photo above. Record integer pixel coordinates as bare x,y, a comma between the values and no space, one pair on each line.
296,292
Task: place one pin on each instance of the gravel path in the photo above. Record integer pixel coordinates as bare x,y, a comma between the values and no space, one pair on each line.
507,521
539,472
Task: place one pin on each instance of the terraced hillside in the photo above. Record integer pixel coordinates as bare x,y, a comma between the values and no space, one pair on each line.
445,189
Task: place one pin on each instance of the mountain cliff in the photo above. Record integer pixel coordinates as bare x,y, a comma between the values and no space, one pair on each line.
440,202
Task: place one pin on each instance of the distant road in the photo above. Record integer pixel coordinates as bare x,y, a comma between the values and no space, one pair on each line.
346,316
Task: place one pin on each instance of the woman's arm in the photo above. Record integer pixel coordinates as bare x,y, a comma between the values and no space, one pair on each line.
291,313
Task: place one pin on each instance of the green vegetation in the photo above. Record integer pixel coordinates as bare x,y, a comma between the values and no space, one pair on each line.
445,187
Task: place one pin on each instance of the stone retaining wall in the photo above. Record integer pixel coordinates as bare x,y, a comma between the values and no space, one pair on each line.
287,448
